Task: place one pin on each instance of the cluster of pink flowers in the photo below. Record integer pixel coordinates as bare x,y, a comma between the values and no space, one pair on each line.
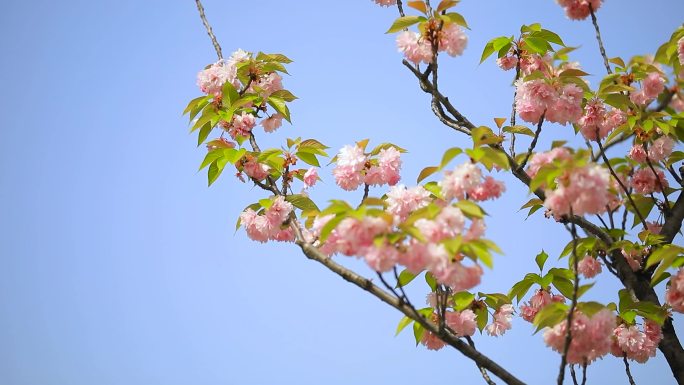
658,151
582,190
402,201
254,169
269,83
540,159
272,123
651,87
212,79
507,62
589,266
268,226
634,258
310,177
386,3
597,123
466,181
592,338
462,323
644,181
502,321
579,9
354,168
241,125
675,293
637,345
417,48
559,104
538,301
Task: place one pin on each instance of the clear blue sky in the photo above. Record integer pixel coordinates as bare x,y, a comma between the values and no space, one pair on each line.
119,266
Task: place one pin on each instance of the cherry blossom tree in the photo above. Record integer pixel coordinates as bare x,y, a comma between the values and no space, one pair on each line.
622,209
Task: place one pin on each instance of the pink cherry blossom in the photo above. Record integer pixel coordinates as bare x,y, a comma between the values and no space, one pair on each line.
462,323
385,3
414,48
653,85
540,159
677,103
462,180
258,227
502,321
589,266
212,79
654,227
452,39
311,177
279,211
597,122
489,189
432,341
637,153
579,9
507,62
350,161
242,125
644,181
402,201
591,337
533,98
567,107
633,258
255,170
584,191
660,149
272,123
538,301
675,292
381,258
635,344
270,83
390,165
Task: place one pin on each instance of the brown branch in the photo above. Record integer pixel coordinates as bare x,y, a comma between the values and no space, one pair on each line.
600,41
210,32
483,371
534,141
573,305
629,373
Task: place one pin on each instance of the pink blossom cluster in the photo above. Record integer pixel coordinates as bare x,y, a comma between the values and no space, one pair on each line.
582,190
654,227
417,48
644,181
579,9
559,104
241,125
466,181
354,168
592,338
269,226
507,62
386,3
212,79
269,83
589,266
502,321
540,159
597,123
402,201
658,151
675,292
634,258
538,301
651,87
254,169
272,123
310,177
462,323
637,345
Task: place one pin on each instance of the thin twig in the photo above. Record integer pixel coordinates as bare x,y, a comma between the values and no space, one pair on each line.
483,371
584,372
600,41
573,375
534,141
217,47
629,373
573,305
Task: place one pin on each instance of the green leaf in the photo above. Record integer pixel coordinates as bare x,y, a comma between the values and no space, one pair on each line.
521,288
308,158
482,317
302,202
431,281
550,315
330,226
517,129
385,146
426,172
449,155
274,66
405,277
193,103
494,45
230,94
285,95
279,105
541,259
418,331
204,133
470,209
573,72
462,300
404,22
549,36
403,323
537,45
457,18
215,169
564,286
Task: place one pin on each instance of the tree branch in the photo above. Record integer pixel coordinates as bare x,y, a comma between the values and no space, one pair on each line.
210,32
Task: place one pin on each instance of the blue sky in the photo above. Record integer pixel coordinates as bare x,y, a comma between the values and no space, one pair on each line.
119,266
